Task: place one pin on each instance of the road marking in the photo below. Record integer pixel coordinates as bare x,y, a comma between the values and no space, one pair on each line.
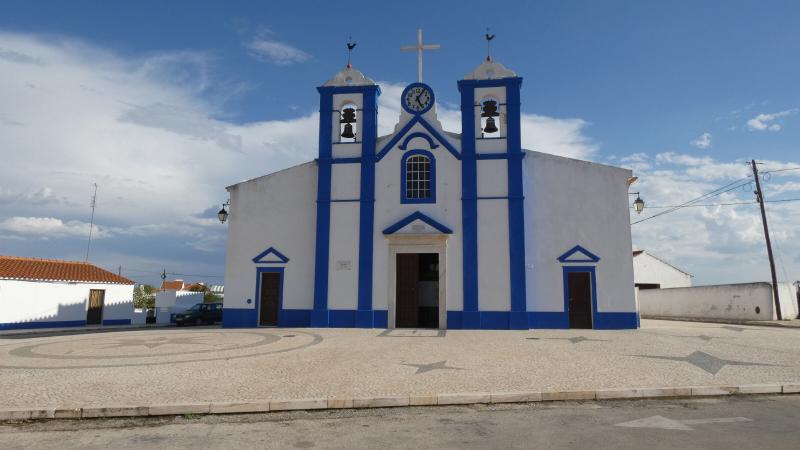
665,423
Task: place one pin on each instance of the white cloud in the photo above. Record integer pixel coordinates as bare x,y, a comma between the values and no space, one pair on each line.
276,52
766,122
50,227
703,141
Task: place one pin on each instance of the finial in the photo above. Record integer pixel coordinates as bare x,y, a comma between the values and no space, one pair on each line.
489,38
350,46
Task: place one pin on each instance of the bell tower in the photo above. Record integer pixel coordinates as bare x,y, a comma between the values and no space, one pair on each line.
348,120
491,179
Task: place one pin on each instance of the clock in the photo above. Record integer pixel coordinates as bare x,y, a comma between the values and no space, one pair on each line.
417,98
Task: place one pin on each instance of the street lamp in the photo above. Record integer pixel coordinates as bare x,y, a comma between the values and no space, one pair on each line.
222,215
638,204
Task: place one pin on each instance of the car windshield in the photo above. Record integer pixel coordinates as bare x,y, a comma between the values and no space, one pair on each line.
194,308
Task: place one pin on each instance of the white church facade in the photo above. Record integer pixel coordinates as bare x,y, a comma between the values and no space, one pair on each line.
429,228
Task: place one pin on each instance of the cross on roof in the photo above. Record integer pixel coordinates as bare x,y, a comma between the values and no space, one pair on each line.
419,48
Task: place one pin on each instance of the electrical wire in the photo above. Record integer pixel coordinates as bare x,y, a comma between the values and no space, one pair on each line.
725,204
714,193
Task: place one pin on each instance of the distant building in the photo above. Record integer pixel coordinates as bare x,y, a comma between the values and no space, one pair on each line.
48,293
650,272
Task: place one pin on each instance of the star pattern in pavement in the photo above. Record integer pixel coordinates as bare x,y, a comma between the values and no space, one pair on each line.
152,343
439,365
705,361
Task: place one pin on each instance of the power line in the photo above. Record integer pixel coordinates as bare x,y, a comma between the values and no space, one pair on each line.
780,170
726,204
714,193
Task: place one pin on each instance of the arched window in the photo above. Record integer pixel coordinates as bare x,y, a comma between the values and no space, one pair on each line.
418,177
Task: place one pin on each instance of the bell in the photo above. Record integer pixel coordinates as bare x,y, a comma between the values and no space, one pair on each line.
348,131
490,126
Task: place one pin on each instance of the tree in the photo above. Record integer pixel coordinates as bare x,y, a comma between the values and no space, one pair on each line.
144,296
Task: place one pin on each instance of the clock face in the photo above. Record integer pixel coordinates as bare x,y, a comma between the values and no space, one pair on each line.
417,98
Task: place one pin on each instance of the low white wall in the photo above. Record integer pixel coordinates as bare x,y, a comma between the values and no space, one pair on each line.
43,301
725,301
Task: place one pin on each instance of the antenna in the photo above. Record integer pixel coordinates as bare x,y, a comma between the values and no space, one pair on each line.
350,46
91,221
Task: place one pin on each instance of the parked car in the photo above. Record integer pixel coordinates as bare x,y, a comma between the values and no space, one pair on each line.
201,313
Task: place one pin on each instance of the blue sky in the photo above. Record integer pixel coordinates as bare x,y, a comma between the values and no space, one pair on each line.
205,95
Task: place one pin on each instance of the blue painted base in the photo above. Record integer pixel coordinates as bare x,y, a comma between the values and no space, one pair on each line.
364,318
239,318
294,317
319,318
53,324
117,322
456,320
380,318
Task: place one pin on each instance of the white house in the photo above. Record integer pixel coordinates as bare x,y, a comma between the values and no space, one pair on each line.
47,293
429,228
651,272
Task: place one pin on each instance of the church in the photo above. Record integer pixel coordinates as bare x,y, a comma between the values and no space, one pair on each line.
428,228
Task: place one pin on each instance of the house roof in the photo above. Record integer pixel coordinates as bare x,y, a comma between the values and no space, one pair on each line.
172,285
21,268
639,252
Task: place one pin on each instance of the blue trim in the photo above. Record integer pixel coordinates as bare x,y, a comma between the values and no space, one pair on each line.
589,256
345,200
516,205
572,269
417,216
116,321
411,86
294,317
430,129
259,271
616,321
479,320
53,324
366,220
282,259
239,318
469,203
330,90
403,196
497,82
417,134
322,249
342,318
509,155
352,160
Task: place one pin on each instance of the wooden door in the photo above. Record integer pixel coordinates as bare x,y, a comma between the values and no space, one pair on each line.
407,301
270,295
94,314
579,291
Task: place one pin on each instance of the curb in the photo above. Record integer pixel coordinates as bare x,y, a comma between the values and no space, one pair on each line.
753,323
464,398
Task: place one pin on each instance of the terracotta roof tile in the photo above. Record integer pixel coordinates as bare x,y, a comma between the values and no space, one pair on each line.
172,285
20,268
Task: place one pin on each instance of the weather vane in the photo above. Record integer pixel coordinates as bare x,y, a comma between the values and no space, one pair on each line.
489,38
350,46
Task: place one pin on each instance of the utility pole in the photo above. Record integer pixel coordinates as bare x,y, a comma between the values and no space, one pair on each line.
91,221
760,198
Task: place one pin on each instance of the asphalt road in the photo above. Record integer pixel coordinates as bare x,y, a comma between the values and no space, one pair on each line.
769,422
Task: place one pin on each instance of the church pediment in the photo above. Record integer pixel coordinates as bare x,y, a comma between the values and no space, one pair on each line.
578,254
405,136
417,223
271,255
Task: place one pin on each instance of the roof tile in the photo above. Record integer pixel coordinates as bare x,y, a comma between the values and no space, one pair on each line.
21,268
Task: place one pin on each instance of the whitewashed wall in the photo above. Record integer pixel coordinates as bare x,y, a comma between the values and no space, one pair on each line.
570,202
651,270
42,301
446,210
277,210
725,301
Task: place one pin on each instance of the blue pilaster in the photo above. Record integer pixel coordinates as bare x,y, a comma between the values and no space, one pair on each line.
516,205
319,315
469,205
369,136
